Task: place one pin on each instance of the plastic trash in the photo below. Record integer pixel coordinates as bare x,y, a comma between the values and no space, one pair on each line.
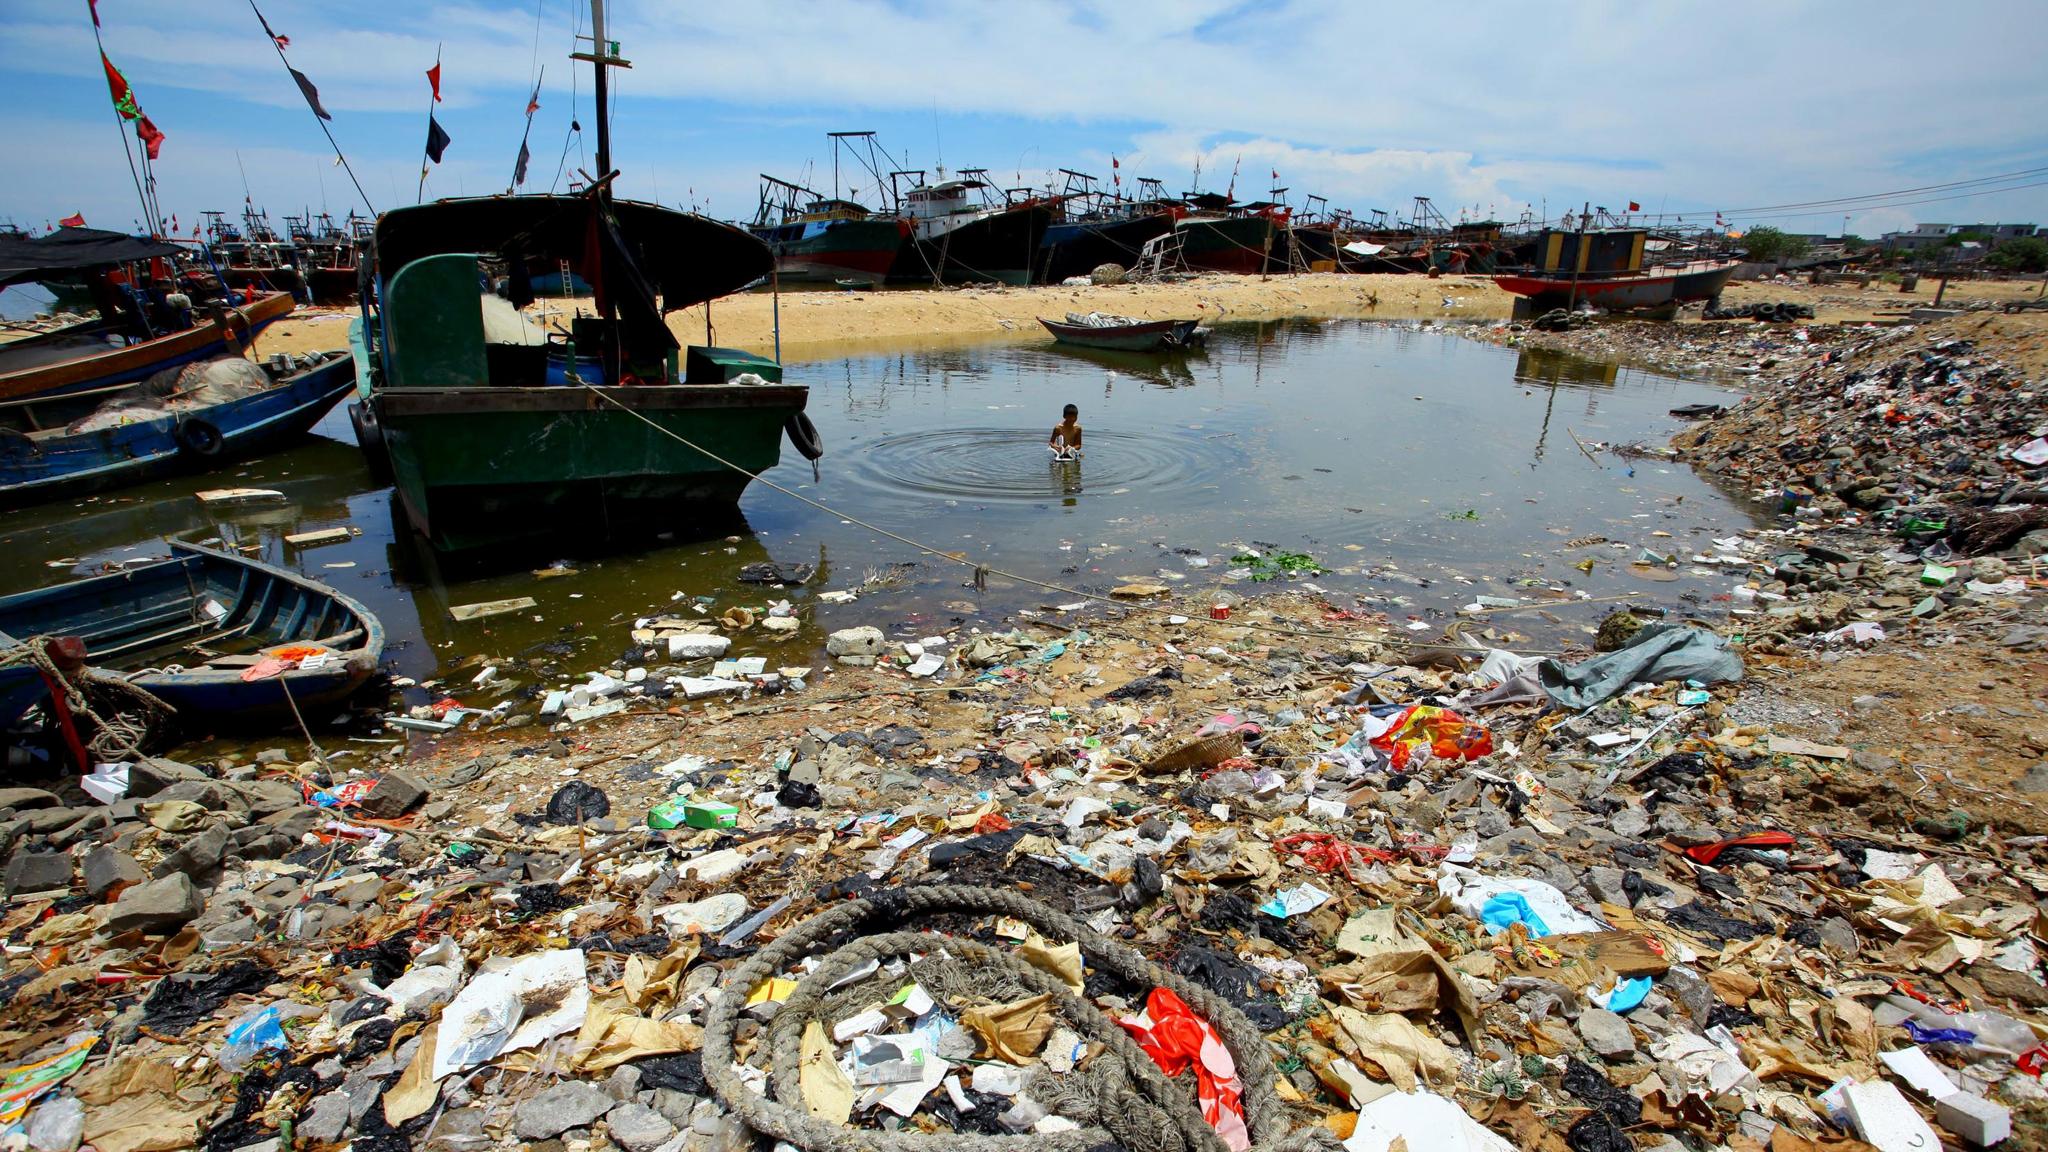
1176,1039
488,1017
1627,993
56,1125
255,1033
1470,893
576,802
107,783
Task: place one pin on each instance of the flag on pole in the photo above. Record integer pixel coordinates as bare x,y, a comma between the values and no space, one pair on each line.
1634,207
75,220
94,5
437,140
434,78
519,167
124,104
311,93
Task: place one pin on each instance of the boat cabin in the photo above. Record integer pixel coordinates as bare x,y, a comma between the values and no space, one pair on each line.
452,280
1603,250
949,198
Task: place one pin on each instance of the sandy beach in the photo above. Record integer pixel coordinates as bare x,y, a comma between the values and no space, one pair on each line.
826,325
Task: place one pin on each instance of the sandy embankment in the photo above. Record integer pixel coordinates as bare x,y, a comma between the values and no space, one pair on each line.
825,325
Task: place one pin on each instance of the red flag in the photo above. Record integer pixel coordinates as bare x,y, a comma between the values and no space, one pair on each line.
94,5
151,136
75,220
1114,163
434,78
1634,207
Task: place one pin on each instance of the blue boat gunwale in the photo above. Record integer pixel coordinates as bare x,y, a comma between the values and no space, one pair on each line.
220,693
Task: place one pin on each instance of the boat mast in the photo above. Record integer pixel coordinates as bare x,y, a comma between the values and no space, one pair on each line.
602,55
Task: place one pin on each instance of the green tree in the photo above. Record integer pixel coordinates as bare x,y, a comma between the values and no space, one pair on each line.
1851,242
1768,245
2026,254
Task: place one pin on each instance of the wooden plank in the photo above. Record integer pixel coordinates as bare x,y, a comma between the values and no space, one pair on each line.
224,497
491,608
318,536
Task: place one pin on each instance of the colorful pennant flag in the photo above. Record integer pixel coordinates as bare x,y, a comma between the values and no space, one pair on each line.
76,219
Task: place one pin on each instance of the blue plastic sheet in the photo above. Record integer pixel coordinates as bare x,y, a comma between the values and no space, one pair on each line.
1938,1035
1625,994
1509,908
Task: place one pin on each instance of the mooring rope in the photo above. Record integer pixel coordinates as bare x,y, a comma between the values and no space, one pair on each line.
1120,1096
116,738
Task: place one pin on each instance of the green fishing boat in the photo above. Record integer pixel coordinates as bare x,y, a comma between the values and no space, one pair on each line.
495,429
498,424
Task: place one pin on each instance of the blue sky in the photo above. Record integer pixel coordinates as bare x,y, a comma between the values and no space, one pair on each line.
1488,107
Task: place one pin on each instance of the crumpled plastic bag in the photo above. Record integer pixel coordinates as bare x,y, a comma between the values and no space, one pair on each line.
1470,893
1176,1039
490,1017
175,815
1657,653
1443,733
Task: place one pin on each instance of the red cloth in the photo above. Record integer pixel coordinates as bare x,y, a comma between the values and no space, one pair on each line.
1176,1039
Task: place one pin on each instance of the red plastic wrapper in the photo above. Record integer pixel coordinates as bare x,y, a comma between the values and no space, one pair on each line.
1176,1039
1446,734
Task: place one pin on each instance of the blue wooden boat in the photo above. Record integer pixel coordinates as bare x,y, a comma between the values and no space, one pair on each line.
1122,333
203,631
58,463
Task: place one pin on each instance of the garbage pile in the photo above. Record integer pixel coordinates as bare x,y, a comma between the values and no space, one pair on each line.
1158,881
1768,311
1916,429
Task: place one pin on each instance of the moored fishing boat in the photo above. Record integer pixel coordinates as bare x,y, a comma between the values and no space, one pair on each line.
143,326
1221,236
958,239
824,240
191,419
1091,228
223,641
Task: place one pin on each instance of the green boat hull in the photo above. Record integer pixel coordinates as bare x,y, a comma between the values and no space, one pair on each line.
482,467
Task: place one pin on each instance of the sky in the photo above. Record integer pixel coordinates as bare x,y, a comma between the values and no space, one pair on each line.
1489,109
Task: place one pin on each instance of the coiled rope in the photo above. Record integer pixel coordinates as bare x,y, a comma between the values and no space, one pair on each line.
133,709
1120,1096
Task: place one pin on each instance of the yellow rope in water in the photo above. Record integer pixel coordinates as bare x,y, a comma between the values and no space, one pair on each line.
982,570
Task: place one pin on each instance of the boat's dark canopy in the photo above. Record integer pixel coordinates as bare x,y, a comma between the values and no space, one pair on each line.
688,259
67,250
1209,201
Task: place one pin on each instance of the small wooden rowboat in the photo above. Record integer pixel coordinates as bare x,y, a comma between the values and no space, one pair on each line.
218,637
1121,333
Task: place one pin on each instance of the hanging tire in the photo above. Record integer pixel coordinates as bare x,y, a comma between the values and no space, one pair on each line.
370,438
199,438
803,436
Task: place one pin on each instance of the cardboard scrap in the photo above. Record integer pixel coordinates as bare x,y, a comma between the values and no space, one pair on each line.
828,1094
1794,746
610,1038
1014,1031
1403,982
1063,961
1400,1049
417,1089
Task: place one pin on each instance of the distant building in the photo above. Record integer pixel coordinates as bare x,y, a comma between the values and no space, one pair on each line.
1936,235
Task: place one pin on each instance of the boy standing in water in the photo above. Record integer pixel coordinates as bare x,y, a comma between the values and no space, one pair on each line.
1065,440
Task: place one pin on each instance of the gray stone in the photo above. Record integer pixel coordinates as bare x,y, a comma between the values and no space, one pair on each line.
1607,1034
676,1105
149,777
1606,885
267,798
1838,936
2035,779
105,867
861,641
37,872
264,846
1871,760
317,920
167,902
23,799
44,821
461,1130
1490,822
623,1083
273,756
199,855
395,794
325,1119
638,1128
1867,703
569,1104
1631,822
213,795
1692,992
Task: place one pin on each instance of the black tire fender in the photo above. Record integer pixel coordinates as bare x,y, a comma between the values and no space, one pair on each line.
370,438
803,436
199,438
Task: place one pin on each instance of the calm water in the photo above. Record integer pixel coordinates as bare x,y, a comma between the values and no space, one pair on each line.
1424,469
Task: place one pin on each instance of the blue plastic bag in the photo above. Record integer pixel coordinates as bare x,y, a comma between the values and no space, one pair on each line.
1512,908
